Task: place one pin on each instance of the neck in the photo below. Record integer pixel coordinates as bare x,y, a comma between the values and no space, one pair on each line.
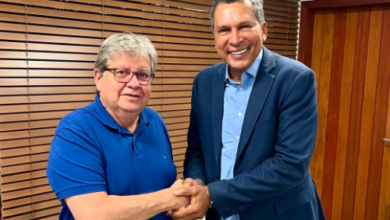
125,119
235,75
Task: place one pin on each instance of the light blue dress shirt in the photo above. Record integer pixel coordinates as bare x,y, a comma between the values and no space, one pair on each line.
235,103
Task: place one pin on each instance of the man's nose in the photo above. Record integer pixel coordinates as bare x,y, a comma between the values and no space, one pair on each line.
133,82
235,37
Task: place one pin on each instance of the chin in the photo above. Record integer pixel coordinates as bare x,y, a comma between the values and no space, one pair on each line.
241,68
132,109
238,64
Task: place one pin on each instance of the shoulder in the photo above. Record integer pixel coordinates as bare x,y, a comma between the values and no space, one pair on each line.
152,116
289,75
76,131
77,119
289,68
210,72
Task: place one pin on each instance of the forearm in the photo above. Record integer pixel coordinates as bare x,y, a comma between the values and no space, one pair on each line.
194,165
137,207
253,187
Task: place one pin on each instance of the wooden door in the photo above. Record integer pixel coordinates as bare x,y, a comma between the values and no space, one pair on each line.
351,163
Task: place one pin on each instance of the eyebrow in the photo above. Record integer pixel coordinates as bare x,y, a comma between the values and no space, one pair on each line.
138,69
143,68
246,23
222,27
239,24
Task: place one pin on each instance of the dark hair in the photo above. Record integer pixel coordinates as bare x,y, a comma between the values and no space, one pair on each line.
257,9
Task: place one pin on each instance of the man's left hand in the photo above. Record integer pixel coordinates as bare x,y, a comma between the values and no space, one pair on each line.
200,203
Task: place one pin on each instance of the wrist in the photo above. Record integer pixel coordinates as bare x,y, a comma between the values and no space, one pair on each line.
168,201
210,199
200,182
207,193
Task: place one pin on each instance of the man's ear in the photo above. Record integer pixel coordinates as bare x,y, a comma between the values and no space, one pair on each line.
264,28
98,77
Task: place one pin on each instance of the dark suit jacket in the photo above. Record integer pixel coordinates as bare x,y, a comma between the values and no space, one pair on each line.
271,180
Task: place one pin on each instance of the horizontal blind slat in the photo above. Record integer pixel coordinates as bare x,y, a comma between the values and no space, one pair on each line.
25,201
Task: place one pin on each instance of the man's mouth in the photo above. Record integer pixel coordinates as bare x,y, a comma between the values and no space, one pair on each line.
132,95
239,52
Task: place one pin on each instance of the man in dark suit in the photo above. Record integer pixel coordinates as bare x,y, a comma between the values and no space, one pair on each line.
253,127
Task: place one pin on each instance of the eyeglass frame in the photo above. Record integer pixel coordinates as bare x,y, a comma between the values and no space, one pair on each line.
113,70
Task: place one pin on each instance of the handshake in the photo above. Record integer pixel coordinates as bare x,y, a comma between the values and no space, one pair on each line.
192,199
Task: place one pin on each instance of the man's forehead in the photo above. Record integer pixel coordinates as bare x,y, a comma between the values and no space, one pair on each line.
234,3
226,9
232,14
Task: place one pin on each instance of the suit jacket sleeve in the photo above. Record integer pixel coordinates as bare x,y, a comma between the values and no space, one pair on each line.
290,164
194,161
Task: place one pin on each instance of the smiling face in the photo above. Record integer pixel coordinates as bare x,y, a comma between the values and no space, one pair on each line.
238,35
121,97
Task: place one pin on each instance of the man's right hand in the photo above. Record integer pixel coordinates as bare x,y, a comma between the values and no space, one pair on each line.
200,203
186,183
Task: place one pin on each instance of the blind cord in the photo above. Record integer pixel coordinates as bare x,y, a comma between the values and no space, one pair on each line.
29,110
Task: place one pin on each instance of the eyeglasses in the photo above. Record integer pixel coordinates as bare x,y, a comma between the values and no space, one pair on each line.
124,76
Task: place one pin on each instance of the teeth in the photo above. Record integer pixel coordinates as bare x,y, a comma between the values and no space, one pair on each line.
239,52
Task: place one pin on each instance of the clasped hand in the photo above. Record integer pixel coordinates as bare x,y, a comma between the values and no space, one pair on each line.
198,195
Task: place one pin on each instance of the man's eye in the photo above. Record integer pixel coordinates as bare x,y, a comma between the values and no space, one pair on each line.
121,72
143,75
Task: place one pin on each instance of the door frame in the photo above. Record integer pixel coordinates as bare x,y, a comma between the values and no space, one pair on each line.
307,22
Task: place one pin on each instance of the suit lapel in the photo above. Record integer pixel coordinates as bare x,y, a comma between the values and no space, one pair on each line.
218,89
261,87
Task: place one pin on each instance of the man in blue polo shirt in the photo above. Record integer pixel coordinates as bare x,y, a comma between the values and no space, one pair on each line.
112,159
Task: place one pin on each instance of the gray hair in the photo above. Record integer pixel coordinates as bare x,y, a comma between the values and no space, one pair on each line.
129,43
257,9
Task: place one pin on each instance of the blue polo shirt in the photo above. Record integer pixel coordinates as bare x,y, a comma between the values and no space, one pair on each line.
91,152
